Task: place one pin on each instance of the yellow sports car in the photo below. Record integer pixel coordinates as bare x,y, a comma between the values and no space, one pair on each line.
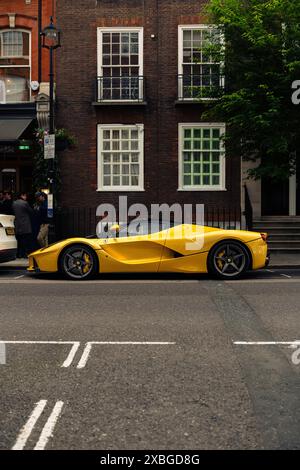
149,247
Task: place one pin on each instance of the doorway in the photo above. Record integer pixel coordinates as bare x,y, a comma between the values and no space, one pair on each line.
275,197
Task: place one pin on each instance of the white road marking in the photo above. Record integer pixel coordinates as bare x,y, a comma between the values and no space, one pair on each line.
47,431
19,277
71,355
85,355
67,362
84,358
266,343
285,275
28,427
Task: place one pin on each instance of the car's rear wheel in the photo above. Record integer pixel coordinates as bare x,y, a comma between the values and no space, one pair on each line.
228,260
78,262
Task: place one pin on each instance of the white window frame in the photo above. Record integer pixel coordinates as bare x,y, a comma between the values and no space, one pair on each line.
181,29
116,29
222,185
101,187
19,66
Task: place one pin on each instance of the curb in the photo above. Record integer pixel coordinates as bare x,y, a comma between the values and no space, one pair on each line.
283,266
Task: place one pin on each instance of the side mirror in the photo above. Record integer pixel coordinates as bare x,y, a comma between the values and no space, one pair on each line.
115,229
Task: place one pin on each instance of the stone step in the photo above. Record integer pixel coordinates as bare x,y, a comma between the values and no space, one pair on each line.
283,236
261,225
284,244
284,250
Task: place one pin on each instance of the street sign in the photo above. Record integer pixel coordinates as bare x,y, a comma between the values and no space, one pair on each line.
49,146
50,206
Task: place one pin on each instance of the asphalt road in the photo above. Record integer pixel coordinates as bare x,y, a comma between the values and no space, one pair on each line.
145,362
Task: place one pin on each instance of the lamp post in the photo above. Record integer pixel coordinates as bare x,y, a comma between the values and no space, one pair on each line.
51,41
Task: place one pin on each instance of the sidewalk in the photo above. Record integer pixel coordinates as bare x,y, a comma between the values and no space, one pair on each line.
20,263
278,260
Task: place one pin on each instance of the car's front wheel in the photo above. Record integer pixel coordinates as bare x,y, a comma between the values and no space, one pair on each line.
78,262
228,260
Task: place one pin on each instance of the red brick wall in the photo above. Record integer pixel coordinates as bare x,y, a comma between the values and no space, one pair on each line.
77,69
27,18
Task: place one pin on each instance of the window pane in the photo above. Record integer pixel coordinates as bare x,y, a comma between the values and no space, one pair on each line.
134,180
120,168
107,158
201,168
187,180
14,85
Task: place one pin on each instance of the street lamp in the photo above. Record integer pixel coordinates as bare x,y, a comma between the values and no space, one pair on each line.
51,41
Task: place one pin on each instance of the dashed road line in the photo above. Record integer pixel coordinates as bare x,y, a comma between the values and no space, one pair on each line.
29,425
48,429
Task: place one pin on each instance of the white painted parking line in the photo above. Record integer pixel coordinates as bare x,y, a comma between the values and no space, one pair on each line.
19,277
266,343
286,275
48,429
28,427
71,355
85,355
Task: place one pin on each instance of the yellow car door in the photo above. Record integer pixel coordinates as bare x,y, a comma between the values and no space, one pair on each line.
137,248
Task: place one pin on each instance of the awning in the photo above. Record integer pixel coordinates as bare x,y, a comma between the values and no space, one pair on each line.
12,129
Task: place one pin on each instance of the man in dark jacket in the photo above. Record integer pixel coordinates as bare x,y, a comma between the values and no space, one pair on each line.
6,206
23,214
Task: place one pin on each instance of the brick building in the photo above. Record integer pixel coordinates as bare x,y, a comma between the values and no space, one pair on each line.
128,75
24,76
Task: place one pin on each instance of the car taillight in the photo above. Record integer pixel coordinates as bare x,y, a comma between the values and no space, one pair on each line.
264,236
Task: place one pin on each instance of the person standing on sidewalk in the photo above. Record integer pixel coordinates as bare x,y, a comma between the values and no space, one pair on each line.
23,214
41,218
6,207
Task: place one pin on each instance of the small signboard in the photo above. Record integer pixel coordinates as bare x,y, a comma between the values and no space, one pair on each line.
49,146
50,206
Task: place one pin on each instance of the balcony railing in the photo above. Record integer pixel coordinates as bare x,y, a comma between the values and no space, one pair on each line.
120,89
200,87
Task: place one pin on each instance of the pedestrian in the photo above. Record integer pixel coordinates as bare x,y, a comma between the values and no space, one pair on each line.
23,214
6,207
41,219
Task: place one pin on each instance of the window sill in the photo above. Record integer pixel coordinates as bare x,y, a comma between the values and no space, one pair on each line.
203,190
195,101
119,103
120,190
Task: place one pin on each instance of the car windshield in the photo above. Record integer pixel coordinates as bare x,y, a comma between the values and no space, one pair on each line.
134,228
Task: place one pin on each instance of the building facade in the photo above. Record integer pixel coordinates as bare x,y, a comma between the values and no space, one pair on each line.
24,77
129,77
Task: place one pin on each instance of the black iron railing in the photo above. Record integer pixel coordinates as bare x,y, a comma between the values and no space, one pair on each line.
81,221
248,213
120,89
205,86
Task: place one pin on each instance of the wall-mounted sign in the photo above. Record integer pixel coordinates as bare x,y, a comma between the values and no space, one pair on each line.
49,146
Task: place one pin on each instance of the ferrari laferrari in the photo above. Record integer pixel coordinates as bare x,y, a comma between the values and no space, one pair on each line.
152,247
